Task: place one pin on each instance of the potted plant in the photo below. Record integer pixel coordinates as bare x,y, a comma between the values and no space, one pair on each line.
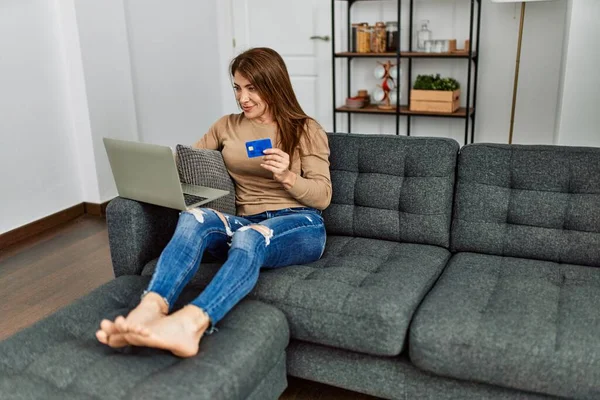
435,94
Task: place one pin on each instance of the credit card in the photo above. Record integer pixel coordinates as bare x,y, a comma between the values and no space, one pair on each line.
255,148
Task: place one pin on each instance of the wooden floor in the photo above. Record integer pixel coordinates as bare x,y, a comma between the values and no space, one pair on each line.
44,273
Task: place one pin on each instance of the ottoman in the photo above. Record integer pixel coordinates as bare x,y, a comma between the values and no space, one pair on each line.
59,357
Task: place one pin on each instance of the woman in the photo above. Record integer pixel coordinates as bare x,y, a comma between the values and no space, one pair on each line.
278,223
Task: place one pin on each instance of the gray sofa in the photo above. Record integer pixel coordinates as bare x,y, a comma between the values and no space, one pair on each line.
446,275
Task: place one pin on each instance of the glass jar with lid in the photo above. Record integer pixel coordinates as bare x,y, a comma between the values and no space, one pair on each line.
392,35
378,38
363,38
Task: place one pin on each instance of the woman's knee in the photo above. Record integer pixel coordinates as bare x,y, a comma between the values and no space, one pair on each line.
249,236
197,219
203,216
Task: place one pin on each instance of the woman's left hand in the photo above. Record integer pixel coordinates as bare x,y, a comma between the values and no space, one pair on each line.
277,161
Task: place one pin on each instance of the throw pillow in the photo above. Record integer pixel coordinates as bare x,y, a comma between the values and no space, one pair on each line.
206,168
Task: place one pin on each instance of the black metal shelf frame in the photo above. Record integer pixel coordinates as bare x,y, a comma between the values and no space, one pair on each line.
472,71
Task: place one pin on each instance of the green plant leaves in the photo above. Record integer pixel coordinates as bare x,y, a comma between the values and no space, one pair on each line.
435,82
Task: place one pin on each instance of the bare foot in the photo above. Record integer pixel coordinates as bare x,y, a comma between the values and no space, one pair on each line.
179,332
110,335
152,308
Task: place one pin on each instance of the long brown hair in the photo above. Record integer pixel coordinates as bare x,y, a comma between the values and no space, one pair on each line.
266,70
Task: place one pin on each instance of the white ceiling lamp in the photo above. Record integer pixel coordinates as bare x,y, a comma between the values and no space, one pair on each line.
518,61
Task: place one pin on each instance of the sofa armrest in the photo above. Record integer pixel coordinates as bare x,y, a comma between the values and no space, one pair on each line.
137,233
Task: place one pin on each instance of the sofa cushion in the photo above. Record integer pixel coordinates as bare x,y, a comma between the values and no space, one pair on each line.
361,295
540,202
525,324
60,358
391,187
206,168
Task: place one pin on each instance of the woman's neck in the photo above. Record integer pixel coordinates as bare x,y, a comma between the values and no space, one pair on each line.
265,119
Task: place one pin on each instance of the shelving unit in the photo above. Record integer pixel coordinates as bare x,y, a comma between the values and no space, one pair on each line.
403,109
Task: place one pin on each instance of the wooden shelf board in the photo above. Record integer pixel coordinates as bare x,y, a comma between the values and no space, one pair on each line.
404,110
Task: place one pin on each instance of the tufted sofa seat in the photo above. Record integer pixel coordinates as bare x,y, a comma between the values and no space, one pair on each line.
517,306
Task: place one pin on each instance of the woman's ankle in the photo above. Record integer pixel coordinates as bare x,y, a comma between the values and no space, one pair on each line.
152,299
197,316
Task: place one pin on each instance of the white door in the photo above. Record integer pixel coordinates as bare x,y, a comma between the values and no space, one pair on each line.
287,27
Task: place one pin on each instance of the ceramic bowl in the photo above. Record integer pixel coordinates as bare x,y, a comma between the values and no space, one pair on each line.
356,102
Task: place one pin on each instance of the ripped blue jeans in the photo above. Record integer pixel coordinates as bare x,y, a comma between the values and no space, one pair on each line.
268,240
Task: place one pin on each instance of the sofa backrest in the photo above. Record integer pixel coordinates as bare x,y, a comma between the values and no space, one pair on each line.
540,202
392,187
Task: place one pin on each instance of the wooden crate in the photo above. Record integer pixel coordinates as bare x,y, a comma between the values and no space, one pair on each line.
434,101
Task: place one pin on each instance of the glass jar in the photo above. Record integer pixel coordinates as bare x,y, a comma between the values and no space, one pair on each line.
378,38
391,28
363,38
423,35
429,46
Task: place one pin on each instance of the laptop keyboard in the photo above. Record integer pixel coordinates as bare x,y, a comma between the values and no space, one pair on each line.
191,199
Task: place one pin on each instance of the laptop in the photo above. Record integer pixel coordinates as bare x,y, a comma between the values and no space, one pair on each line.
148,173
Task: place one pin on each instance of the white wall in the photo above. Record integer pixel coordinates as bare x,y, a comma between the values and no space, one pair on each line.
176,68
539,71
579,121
77,101
38,166
107,71
539,76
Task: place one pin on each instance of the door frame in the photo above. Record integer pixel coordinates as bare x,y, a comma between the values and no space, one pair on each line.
225,37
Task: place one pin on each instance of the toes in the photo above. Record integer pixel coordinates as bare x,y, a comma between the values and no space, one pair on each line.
102,337
134,339
121,324
108,327
118,340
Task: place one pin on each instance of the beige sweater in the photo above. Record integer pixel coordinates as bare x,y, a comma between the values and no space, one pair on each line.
255,189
